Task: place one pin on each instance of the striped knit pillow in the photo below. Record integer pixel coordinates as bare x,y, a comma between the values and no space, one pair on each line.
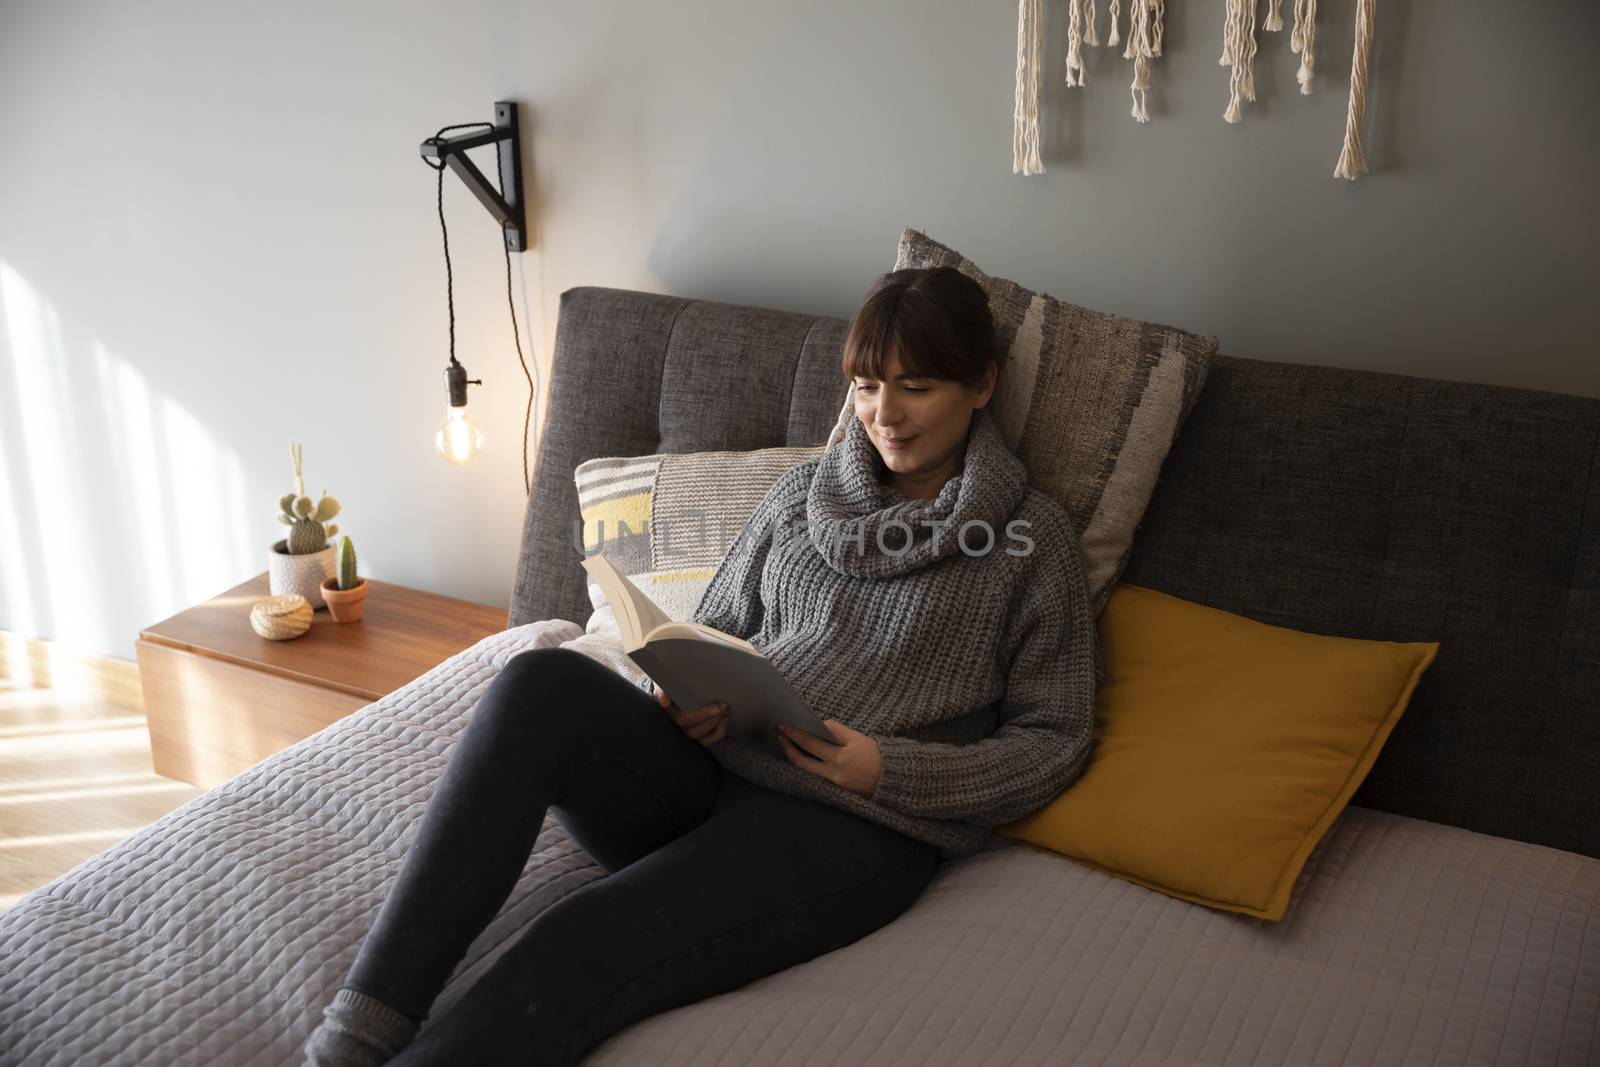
1089,402
666,521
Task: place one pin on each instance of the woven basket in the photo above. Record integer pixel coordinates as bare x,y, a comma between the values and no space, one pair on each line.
278,618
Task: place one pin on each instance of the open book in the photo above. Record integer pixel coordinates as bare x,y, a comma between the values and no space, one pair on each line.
696,665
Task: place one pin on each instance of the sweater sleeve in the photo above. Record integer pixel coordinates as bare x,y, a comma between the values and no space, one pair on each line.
732,601
1046,718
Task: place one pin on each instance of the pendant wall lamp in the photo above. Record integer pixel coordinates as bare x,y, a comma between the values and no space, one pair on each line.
458,439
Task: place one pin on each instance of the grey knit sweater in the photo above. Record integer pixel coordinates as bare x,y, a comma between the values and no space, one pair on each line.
974,671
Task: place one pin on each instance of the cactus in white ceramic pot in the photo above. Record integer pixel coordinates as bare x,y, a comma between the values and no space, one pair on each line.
299,562
309,529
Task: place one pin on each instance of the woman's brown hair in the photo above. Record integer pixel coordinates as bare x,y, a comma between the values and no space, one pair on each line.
937,318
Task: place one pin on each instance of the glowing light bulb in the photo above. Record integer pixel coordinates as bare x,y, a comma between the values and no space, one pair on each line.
458,440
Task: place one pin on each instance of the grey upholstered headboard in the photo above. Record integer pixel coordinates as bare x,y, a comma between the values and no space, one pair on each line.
636,373
1335,501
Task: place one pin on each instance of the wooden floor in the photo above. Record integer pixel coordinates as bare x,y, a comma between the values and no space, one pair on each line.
75,778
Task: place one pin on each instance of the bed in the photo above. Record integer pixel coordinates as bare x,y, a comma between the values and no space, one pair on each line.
1447,917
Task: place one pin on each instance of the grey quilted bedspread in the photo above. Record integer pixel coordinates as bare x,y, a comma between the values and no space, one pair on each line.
216,935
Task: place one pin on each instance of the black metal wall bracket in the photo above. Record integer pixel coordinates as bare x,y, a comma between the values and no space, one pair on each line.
508,210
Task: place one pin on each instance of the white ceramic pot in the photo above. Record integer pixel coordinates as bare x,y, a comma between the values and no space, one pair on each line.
301,574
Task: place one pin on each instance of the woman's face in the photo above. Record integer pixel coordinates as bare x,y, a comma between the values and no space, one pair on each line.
919,425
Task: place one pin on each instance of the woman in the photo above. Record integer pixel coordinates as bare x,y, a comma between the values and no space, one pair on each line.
927,603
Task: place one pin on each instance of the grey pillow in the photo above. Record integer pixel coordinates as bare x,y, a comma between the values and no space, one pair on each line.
1089,402
666,520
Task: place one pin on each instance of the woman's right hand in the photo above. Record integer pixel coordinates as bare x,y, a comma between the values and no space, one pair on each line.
707,725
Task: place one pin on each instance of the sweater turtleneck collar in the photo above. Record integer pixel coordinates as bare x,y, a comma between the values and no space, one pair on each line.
859,524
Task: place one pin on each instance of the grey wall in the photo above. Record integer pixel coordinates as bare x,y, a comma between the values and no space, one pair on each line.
216,236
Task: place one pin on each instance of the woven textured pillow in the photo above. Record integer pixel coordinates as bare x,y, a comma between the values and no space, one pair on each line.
1224,750
666,521
1089,402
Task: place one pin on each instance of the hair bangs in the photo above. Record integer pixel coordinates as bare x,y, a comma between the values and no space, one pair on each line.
894,320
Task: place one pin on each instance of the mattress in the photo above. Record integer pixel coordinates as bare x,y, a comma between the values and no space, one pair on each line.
216,935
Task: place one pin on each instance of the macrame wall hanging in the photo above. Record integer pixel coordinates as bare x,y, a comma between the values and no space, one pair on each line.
1143,43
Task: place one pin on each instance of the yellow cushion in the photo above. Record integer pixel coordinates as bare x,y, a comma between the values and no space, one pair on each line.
1224,749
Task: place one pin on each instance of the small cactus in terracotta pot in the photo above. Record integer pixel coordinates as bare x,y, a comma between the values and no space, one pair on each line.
346,591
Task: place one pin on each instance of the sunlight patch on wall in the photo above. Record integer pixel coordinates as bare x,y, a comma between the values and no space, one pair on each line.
210,535
144,489
120,493
15,597
41,595
182,490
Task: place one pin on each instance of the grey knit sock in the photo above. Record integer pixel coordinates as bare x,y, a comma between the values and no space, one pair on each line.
358,1031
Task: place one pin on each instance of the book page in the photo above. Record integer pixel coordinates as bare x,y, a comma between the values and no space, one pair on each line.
699,632
636,613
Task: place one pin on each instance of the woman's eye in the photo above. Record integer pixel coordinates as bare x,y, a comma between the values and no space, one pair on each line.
916,388
864,388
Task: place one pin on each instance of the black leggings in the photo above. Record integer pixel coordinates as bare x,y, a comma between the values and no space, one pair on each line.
711,881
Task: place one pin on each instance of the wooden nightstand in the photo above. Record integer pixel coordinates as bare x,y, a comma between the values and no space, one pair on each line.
219,697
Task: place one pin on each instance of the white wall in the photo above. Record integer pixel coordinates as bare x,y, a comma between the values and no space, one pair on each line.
216,235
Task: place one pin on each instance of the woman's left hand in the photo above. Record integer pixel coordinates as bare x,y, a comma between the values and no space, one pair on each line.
854,764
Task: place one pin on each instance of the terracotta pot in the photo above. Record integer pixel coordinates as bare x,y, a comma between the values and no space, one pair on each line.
300,574
344,604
